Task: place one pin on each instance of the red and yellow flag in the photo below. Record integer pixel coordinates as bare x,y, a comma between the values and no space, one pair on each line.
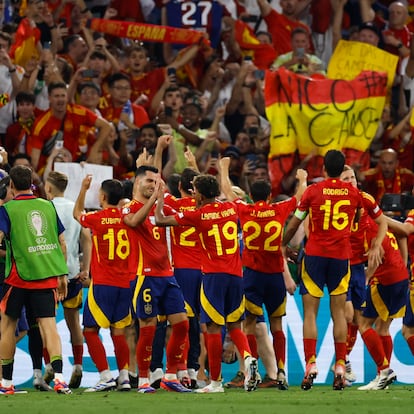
321,114
24,47
263,54
146,32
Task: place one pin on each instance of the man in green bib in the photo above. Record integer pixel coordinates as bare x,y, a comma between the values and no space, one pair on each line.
35,274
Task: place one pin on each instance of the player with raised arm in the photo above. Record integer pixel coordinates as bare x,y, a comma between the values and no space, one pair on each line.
222,284
332,206
265,278
361,251
157,291
109,296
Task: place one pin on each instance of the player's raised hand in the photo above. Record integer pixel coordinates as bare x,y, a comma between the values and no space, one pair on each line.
86,182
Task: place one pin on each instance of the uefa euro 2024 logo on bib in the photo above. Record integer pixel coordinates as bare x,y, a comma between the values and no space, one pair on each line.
37,224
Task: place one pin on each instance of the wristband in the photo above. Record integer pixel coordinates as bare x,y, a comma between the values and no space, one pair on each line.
400,45
12,70
53,27
27,75
180,127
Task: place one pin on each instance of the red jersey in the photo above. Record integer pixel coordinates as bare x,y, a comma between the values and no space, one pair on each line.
152,248
77,124
147,83
410,220
262,226
112,114
331,205
111,252
359,241
185,244
281,27
216,224
392,269
376,185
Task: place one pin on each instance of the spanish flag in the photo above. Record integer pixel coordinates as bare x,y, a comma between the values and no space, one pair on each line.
313,115
317,115
263,54
25,45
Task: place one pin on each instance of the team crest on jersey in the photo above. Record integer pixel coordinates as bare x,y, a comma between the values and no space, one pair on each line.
148,308
36,222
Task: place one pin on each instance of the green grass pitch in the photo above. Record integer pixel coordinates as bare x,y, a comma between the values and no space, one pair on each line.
321,400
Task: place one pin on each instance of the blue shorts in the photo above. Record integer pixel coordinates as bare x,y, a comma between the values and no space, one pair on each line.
157,295
107,306
357,288
318,272
409,310
386,301
222,298
264,289
190,284
74,299
132,286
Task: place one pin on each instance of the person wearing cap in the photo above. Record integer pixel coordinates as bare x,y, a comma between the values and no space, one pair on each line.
369,33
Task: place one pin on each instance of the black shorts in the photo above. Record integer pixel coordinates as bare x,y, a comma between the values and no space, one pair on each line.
39,303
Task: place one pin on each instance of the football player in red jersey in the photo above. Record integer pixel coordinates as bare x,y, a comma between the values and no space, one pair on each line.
157,291
264,278
109,297
406,229
332,206
357,289
222,284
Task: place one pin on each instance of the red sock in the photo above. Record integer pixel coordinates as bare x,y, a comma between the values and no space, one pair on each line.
144,349
46,356
351,337
176,346
77,354
309,347
387,344
410,342
121,351
214,352
279,346
182,365
240,340
340,352
375,348
96,350
253,345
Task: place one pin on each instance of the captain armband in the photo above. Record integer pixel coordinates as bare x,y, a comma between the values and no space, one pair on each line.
301,215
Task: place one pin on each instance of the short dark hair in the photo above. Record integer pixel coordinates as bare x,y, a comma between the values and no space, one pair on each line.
69,40
97,54
7,37
113,190
142,170
56,85
91,85
260,190
187,177
58,179
207,185
25,96
21,177
297,30
334,162
117,77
